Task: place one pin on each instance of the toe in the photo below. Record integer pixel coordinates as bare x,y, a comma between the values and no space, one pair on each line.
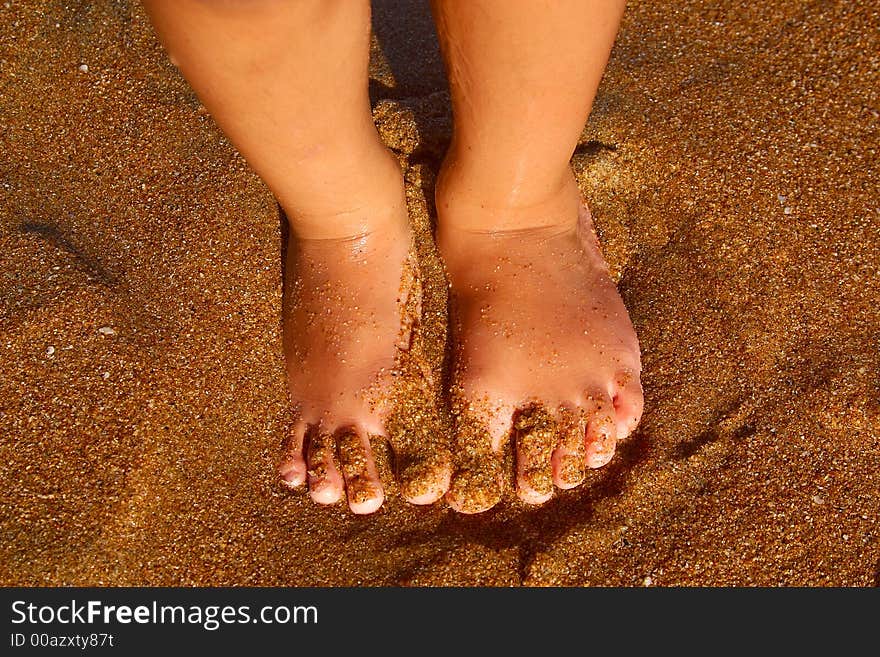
478,479
535,431
476,486
601,432
425,473
292,468
570,456
362,485
629,402
325,481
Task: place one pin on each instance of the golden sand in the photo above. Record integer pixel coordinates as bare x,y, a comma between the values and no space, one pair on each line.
731,167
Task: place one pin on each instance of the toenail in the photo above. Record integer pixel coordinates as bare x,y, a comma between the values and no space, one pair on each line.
292,476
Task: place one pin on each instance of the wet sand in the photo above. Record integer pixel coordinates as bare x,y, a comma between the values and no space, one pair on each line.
731,165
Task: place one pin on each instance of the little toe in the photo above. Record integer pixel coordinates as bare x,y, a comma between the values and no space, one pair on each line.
629,401
362,485
570,455
292,468
325,481
536,437
601,431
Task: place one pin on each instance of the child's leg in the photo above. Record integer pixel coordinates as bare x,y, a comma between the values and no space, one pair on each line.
544,344
287,82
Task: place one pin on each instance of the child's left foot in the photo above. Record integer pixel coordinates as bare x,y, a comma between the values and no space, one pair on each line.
544,348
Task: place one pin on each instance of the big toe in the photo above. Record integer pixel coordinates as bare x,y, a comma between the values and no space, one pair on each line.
476,486
478,479
425,473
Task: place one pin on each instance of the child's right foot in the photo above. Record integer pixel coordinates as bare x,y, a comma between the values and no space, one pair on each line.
346,321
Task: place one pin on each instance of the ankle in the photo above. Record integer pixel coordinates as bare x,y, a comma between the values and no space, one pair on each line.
347,197
465,207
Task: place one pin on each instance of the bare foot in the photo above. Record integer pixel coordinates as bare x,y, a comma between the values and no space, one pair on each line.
545,349
348,314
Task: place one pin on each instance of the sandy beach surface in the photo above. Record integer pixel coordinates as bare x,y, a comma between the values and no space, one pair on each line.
731,163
